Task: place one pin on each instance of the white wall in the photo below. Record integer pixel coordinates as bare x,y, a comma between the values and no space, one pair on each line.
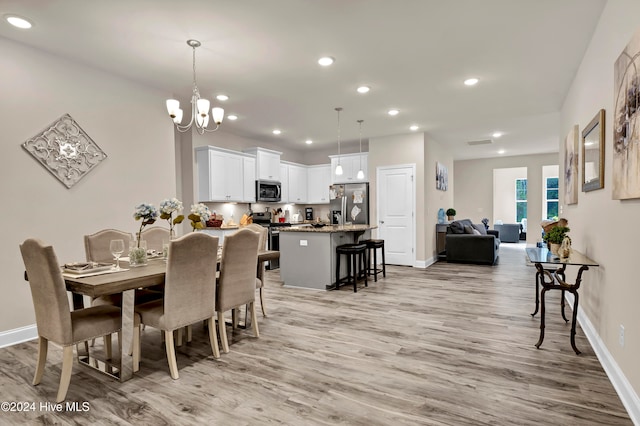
606,229
504,193
126,120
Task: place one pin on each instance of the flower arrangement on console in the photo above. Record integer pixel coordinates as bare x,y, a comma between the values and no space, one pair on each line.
199,216
168,207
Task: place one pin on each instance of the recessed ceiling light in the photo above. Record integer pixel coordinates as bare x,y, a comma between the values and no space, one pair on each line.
18,21
325,61
363,89
222,97
393,112
414,128
497,134
232,117
276,132
308,141
501,151
471,81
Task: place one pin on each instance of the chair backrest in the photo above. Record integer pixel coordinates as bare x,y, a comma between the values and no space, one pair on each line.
48,291
190,283
155,236
237,282
96,246
262,245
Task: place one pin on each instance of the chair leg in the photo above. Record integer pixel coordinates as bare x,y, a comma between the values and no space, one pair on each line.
375,265
264,310
234,318
254,319
171,354
108,345
136,348
189,334
65,374
213,337
120,342
43,346
179,337
384,264
223,332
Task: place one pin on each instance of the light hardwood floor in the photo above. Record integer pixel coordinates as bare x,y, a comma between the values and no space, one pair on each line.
449,345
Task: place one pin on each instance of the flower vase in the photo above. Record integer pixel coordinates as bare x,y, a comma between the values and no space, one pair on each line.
554,248
138,253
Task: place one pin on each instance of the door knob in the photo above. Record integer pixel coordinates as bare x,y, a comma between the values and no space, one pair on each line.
382,221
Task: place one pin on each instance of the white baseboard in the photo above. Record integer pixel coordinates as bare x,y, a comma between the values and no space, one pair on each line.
18,335
620,383
425,263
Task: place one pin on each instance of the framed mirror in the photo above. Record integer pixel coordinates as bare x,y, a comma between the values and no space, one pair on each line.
593,154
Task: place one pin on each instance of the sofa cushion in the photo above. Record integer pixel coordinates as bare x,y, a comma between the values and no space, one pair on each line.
476,232
468,229
456,227
480,228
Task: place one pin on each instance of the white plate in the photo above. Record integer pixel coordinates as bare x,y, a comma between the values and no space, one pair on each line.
86,267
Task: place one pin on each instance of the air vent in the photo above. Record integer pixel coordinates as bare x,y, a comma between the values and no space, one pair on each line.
482,142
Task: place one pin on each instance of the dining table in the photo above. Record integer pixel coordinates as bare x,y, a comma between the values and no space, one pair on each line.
124,282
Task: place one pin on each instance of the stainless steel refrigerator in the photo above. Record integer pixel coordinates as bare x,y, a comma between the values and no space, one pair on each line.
349,203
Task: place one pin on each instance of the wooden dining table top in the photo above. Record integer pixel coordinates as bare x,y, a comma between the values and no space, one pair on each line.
139,277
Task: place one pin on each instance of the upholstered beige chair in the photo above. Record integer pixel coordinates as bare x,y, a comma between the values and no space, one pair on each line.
54,319
189,295
237,282
261,266
155,237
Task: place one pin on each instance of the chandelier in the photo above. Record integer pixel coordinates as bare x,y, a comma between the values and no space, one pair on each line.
199,107
338,167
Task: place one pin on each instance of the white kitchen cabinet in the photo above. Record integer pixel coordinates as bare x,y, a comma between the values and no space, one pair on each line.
297,183
267,163
220,174
284,182
249,179
318,181
351,164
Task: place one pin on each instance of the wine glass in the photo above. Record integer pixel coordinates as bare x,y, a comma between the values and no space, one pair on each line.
117,248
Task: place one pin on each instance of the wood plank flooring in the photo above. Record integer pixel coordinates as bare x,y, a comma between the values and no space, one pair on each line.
449,345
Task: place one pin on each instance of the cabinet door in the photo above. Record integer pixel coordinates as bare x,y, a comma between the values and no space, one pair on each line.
217,176
297,184
249,180
268,166
284,180
318,181
234,178
347,175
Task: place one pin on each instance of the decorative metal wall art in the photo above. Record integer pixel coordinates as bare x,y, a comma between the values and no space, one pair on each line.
65,150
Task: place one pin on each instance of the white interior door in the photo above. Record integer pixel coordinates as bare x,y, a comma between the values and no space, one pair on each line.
396,201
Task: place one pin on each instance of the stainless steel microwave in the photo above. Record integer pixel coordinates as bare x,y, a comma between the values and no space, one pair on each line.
268,191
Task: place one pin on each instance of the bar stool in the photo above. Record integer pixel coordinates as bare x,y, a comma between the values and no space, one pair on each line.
356,257
374,245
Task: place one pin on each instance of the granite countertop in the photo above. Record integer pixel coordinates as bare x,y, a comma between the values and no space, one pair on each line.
329,228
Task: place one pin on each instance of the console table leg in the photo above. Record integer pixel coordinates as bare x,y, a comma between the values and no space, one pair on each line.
542,311
562,303
573,322
537,294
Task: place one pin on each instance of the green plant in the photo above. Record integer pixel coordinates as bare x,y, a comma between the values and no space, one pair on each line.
556,234
451,212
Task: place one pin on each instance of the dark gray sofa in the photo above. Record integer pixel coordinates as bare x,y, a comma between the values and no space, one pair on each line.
463,245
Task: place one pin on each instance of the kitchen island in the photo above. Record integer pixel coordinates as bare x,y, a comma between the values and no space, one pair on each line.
308,254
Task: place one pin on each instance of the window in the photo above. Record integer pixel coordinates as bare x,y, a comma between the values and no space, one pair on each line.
551,197
521,199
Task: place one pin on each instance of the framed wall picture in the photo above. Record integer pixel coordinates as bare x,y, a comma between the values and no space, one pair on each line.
625,173
571,166
442,178
593,154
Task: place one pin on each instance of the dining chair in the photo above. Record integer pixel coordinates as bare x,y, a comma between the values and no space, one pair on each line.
155,237
189,295
262,245
237,281
54,319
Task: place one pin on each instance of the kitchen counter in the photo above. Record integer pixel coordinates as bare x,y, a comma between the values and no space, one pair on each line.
329,228
308,254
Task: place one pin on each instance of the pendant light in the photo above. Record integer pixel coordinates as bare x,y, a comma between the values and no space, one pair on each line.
360,174
338,167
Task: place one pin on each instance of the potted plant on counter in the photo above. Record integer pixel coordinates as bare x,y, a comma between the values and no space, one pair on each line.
451,212
554,237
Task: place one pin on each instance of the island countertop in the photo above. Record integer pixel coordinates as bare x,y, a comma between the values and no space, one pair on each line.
327,229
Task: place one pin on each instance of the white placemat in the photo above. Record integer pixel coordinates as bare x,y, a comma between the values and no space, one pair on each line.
91,274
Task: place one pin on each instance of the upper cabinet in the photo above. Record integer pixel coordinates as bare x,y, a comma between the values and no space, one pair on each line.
318,181
297,183
267,163
351,164
284,183
221,175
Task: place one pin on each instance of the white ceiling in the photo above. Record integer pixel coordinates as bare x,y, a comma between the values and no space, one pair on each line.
414,54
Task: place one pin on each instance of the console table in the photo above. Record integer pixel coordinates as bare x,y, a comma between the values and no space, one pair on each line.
556,281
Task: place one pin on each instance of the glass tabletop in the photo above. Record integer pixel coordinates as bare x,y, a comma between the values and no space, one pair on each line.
543,255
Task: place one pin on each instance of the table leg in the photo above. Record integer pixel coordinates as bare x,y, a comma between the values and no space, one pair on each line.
542,311
562,303
126,360
573,322
538,277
